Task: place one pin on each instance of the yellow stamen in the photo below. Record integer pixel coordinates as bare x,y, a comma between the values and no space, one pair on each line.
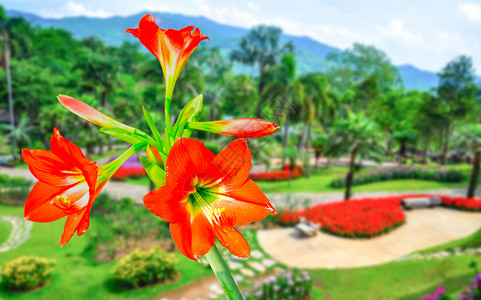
216,212
63,200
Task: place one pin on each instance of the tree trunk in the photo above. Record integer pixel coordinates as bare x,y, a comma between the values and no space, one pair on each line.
101,147
350,175
286,135
317,155
445,145
402,153
261,88
474,175
6,59
306,151
212,112
292,162
425,152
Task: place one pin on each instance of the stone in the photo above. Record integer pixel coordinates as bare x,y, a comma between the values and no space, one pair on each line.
257,266
268,262
247,272
238,278
234,265
257,254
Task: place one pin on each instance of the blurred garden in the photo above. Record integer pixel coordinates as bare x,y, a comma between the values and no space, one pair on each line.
375,185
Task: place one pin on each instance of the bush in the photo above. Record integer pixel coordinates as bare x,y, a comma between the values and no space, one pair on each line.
26,273
287,217
141,268
359,218
384,174
284,174
295,285
14,190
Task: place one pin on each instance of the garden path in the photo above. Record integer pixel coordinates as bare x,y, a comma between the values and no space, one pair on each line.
424,228
119,190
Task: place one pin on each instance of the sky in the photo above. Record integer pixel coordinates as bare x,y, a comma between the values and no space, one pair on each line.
424,33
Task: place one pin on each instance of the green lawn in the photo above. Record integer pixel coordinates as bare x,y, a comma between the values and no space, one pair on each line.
406,280
5,228
76,277
471,241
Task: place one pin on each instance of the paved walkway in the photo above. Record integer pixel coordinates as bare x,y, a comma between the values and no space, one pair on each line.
424,228
119,189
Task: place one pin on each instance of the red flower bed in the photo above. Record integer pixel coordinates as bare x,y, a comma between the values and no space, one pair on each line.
359,218
278,175
126,172
287,217
471,204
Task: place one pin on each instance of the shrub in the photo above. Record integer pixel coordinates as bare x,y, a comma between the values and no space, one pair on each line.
284,174
359,218
287,217
26,273
141,268
441,175
295,285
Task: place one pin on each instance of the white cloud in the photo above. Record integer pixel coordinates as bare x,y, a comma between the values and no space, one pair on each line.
470,10
72,9
252,6
395,30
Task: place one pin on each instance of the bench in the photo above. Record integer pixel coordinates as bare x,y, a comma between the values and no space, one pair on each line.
420,202
306,228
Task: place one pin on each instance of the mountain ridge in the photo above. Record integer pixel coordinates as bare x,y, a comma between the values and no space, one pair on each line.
310,53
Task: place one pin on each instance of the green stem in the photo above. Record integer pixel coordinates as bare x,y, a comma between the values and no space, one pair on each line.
221,271
168,125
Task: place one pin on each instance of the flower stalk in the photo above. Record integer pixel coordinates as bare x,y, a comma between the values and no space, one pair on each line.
223,274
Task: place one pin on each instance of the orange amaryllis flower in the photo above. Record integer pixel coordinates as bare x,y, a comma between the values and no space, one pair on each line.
243,128
206,195
171,47
67,186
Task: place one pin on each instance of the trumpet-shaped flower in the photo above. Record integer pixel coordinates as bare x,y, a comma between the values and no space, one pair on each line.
68,184
206,195
171,47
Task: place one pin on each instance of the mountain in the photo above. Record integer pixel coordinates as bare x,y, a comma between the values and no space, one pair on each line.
310,53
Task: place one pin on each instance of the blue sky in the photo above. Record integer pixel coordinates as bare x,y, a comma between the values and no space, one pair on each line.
425,33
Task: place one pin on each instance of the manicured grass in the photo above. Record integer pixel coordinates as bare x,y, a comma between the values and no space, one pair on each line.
76,277
5,228
405,280
471,241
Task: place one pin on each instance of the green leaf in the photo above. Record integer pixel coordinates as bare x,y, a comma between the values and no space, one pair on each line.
153,128
154,171
122,135
190,113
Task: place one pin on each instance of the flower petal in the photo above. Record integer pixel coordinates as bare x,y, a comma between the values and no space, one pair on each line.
71,225
85,111
69,152
193,237
47,167
234,162
149,34
167,203
230,238
187,156
247,204
40,202
39,206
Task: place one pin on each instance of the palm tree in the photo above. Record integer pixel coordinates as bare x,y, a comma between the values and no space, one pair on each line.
468,141
19,133
355,135
262,47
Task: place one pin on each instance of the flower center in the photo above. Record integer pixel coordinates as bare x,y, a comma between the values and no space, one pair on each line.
202,199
